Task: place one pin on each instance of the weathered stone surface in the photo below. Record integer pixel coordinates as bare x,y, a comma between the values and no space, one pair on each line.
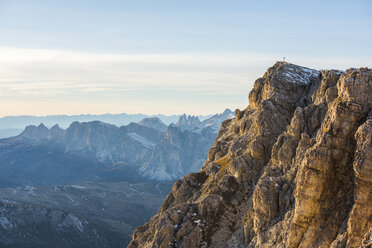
293,169
360,221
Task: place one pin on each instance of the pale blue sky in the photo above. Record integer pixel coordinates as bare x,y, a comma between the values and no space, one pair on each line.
198,57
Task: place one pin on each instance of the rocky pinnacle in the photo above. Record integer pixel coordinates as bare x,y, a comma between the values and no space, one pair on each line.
293,169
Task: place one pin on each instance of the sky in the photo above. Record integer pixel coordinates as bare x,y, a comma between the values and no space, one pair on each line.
165,56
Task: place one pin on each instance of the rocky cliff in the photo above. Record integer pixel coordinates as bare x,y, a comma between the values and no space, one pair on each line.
179,153
293,169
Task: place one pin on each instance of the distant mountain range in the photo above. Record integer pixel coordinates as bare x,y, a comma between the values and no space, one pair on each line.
104,152
13,125
92,183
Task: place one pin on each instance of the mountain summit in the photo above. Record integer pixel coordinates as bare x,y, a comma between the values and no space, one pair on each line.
188,122
153,122
293,169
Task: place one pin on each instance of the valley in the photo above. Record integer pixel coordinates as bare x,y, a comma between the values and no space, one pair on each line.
91,184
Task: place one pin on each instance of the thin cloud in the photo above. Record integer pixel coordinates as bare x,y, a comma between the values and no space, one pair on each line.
28,69
30,78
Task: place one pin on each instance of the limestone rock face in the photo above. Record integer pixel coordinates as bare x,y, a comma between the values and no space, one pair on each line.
293,169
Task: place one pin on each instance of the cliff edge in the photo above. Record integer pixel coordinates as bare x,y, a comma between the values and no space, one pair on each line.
293,169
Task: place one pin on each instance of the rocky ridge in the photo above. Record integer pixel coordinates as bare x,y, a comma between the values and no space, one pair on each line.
293,169
95,150
192,123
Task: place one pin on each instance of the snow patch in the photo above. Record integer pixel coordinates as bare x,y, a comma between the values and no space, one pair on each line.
136,191
5,223
102,194
30,190
78,187
300,75
157,173
197,221
74,221
157,188
147,143
72,200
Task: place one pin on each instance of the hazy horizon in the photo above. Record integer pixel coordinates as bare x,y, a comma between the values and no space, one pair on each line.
119,113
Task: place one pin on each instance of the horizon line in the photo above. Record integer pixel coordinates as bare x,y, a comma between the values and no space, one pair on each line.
118,113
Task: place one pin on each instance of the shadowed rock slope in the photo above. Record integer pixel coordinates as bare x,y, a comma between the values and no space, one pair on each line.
294,169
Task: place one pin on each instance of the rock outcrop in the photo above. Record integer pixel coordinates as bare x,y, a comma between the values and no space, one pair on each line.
293,169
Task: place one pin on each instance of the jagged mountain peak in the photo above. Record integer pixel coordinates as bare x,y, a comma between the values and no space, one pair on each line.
282,84
55,131
55,127
216,120
290,170
188,122
42,127
188,118
35,132
227,112
153,122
